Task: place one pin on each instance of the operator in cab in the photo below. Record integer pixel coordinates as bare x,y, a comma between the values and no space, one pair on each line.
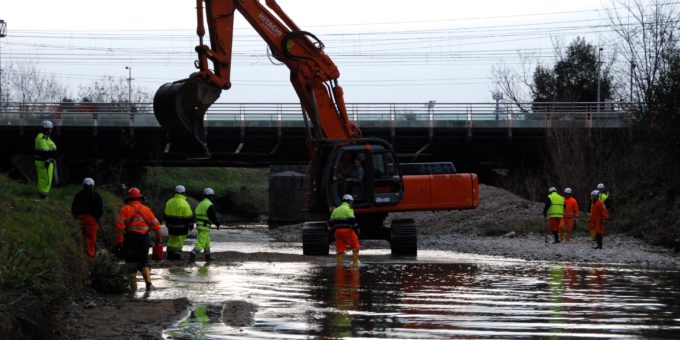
353,177
344,224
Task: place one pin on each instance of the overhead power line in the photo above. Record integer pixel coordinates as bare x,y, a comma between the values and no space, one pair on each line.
470,45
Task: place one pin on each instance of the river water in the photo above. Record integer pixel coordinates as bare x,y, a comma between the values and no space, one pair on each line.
437,295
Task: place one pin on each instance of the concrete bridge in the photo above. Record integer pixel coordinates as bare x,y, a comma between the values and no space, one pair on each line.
472,135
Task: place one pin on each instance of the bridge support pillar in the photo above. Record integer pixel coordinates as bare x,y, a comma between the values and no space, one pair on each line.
287,194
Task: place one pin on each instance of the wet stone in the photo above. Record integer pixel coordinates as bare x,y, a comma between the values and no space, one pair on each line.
238,313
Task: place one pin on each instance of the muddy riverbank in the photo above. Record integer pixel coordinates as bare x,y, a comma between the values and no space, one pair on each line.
91,315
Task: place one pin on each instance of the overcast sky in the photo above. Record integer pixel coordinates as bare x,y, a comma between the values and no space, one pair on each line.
386,50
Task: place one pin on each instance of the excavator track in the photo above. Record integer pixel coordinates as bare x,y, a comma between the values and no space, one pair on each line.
403,237
315,238
179,108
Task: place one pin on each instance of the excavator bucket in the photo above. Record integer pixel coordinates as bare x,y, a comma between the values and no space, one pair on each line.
179,108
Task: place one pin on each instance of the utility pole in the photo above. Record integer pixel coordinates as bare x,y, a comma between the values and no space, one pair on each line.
129,87
497,96
430,109
632,70
599,66
3,33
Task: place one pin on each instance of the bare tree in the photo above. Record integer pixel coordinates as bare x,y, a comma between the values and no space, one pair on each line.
26,84
112,90
518,87
647,29
512,85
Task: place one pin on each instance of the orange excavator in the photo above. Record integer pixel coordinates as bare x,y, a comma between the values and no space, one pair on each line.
333,142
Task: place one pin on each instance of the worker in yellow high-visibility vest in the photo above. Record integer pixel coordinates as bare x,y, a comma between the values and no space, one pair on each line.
346,230
179,219
554,211
45,159
205,218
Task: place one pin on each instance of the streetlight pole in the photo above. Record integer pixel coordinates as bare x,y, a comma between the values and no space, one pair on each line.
3,33
599,66
129,87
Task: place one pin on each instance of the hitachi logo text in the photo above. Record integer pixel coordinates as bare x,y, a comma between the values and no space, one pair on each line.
271,25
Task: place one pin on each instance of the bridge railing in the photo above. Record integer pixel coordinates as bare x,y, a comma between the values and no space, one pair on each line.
429,114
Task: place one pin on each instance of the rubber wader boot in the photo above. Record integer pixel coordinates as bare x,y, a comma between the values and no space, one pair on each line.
339,260
192,257
146,274
556,237
599,238
133,282
208,257
593,235
355,258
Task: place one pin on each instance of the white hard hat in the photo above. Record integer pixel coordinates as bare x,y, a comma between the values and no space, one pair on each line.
46,124
180,189
88,181
595,193
347,198
552,189
600,186
208,191
567,190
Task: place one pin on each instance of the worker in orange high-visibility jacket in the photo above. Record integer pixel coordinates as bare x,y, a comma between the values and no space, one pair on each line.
134,223
571,213
599,216
87,207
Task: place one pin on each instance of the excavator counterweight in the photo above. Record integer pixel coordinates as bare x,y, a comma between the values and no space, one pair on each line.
180,107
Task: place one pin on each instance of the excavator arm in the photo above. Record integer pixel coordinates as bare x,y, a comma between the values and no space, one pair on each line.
180,106
333,140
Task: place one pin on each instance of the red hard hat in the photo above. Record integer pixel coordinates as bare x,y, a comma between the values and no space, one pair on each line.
134,193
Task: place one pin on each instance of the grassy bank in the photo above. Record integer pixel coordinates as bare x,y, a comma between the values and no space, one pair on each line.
220,179
41,261
239,191
40,256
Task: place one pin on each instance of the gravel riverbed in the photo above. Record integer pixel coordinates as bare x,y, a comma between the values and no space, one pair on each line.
507,225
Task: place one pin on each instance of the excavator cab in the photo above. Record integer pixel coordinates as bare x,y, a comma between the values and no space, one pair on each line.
367,171
180,108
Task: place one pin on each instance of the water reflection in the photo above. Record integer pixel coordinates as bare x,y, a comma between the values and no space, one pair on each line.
197,325
430,300
557,296
345,300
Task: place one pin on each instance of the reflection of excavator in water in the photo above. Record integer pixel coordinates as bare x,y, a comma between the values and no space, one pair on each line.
331,138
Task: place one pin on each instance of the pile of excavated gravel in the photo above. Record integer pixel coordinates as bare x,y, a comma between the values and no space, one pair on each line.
499,212
507,225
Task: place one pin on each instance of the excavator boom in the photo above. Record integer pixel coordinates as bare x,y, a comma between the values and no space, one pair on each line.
181,106
375,181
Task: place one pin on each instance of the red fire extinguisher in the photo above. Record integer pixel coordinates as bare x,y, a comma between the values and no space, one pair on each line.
157,253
